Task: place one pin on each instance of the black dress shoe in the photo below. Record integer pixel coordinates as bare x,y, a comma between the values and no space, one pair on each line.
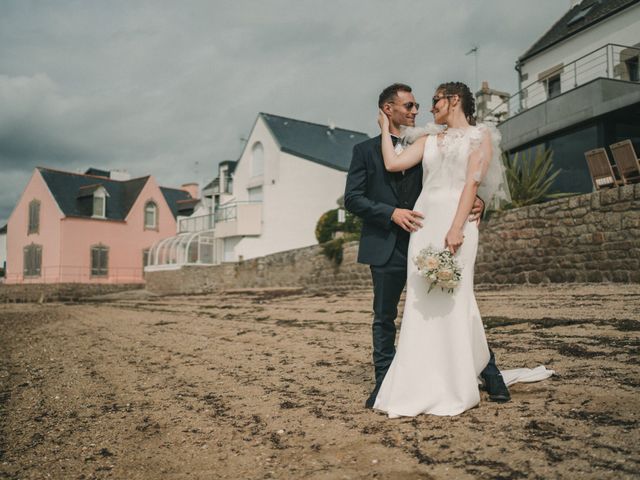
496,388
372,398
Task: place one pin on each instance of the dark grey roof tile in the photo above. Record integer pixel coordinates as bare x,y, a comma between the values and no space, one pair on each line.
331,147
583,15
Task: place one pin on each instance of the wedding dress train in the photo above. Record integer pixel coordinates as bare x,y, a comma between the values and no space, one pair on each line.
442,346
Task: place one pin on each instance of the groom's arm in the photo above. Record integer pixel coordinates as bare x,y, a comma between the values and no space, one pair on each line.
355,195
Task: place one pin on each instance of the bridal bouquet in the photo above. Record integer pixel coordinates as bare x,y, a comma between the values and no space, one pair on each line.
439,268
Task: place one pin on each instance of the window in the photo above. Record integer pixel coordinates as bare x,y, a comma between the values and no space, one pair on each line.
145,257
99,261
257,160
553,86
32,260
255,194
34,217
98,206
151,216
632,69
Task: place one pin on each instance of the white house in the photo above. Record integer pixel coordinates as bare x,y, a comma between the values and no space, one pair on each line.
579,88
491,105
594,39
288,175
269,200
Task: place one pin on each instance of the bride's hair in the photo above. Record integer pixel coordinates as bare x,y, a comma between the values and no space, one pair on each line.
466,98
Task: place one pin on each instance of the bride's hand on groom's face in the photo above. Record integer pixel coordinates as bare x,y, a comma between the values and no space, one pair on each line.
383,121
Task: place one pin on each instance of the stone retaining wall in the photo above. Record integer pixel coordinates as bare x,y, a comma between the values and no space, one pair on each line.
585,238
62,292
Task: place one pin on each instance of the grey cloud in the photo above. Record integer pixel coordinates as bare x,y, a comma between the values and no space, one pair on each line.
169,88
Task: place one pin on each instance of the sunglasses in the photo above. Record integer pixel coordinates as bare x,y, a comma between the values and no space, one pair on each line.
409,105
435,100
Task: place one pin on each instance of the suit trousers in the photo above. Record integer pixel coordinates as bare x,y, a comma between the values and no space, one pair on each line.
388,282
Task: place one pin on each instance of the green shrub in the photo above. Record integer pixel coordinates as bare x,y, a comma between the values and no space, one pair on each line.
328,225
327,228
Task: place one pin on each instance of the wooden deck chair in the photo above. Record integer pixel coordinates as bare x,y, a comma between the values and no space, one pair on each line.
600,168
625,157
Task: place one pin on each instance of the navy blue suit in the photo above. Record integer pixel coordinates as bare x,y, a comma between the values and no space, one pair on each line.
373,194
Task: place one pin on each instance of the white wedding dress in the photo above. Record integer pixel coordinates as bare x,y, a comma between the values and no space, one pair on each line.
442,346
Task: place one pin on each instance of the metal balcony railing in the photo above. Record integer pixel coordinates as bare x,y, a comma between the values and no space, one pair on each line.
197,224
223,213
610,61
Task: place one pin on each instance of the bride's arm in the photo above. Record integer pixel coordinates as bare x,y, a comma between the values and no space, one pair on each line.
476,168
410,156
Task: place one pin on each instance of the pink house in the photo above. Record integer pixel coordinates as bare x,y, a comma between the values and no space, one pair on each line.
92,227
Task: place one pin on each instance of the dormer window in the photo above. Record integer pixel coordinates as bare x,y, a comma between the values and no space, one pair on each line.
92,199
151,216
99,205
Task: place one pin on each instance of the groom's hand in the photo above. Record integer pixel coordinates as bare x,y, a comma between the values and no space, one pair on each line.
476,211
408,220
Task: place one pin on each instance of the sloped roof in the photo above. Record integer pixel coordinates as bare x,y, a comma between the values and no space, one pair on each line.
66,187
173,196
3,229
331,147
580,17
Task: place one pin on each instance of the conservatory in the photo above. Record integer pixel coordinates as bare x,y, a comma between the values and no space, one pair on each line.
187,248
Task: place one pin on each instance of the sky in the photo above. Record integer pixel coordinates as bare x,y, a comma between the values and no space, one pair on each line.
171,88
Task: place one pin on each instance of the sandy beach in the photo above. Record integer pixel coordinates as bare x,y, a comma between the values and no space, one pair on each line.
260,384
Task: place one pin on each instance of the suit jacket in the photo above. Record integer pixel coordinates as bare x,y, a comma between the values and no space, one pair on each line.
372,194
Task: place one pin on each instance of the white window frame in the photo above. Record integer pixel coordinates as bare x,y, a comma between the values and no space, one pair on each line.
251,192
153,226
101,195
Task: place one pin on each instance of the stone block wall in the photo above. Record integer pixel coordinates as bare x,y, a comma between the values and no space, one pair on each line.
305,267
61,292
585,238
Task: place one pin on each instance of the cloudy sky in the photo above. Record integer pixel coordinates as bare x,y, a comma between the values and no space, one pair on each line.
170,88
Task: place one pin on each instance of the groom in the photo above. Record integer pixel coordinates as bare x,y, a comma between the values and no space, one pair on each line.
384,201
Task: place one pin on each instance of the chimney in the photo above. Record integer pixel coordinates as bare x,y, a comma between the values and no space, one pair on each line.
119,175
192,189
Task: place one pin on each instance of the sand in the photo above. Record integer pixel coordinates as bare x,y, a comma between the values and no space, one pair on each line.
271,384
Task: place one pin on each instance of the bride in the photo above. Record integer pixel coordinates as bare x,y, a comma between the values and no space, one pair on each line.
442,346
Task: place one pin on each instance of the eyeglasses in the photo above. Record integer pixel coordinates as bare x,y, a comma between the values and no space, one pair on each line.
435,100
409,105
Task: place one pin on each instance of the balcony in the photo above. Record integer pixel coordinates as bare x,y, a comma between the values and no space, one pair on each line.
197,224
611,61
229,220
238,219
